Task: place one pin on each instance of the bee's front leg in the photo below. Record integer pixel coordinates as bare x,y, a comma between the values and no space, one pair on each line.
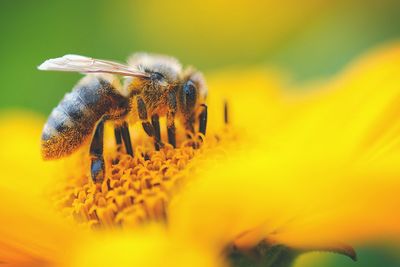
97,168
172,107
189,126
190,132
202,126
152,128
203,120
155,121
142,110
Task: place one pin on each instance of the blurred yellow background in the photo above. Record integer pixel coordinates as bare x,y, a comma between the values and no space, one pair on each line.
310,39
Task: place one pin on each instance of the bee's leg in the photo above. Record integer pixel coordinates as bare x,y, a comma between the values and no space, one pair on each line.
189,126
172,106
126,137
118,140
142,110
203,120
97,168
118,135
190,132
157,132
121,133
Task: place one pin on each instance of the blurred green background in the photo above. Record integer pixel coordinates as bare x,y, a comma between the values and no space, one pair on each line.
309,38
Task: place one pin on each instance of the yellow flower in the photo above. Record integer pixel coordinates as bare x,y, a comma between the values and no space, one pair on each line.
328,176
308,169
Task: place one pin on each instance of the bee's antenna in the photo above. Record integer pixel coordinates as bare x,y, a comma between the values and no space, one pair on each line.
226,114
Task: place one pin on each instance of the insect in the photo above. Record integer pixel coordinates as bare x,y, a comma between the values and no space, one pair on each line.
154,86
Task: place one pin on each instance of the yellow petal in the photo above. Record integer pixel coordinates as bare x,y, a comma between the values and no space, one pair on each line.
20,153
149,247
31,232
319,179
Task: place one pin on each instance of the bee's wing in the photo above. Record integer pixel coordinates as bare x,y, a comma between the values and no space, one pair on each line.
76,63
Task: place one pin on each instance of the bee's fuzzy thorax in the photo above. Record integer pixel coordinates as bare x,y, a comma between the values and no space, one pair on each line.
168,66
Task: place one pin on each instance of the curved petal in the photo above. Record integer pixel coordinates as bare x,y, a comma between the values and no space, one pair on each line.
323,179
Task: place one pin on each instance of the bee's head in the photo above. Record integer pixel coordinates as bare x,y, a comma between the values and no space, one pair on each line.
192,92
164,71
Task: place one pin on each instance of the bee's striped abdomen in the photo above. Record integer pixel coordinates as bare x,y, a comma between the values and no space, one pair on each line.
72,122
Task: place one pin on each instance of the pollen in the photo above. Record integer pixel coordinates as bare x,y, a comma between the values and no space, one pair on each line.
136,189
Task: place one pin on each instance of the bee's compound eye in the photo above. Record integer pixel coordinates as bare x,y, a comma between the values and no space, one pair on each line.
190,94
157,76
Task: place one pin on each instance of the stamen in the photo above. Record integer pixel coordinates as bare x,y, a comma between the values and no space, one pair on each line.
136,189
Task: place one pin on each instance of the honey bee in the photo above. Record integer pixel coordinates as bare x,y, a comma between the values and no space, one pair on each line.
154,86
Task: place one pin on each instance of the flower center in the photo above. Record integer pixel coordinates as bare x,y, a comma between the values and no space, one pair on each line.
136,189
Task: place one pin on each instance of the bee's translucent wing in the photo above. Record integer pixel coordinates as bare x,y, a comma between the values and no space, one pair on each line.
76,63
